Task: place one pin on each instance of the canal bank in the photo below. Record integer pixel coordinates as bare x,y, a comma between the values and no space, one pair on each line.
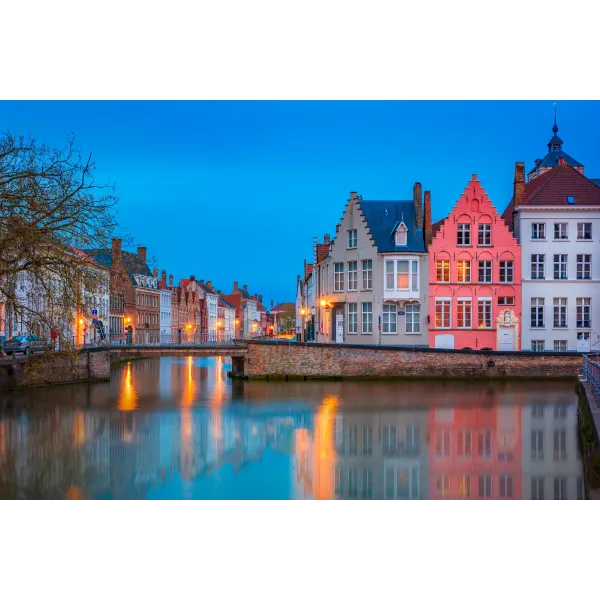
589,424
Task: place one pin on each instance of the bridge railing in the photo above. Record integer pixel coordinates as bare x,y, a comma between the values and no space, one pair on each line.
591,373
151,338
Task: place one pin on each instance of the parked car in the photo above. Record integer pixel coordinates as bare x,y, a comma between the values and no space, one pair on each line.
27,344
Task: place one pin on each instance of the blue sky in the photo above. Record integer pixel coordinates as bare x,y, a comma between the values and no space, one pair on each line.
235,191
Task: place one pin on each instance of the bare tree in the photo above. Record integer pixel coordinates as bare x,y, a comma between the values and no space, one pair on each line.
50,208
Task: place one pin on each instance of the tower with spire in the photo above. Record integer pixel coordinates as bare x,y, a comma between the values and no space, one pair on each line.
555,155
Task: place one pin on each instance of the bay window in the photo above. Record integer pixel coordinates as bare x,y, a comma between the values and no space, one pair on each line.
402,275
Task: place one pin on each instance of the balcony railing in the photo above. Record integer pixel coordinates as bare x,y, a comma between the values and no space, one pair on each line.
591,373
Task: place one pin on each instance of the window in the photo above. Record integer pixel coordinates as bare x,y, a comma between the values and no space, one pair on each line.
443,271
352,483
464,444
352,440
442,486
484,237
484,313
584,266
560,266
352,238
584,231
411,439
463,237
560,231
367,440
367,274
338,284
464,271
352,276
367,317
389,319
352,317
584,320
390,441
413,318
485,486
367,489
442,314
415,275
560,444
537,412
506,300
560,312
402,275
537,266
464,486
389,275
538,231
442,443
537,444
485,271
339,481
537,346
506,271
560,411
401,235
537,312
560,488
537,488
560,345
485,443
389,482
506,486
464,310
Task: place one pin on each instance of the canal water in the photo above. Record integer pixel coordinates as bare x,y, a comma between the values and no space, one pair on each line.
173,428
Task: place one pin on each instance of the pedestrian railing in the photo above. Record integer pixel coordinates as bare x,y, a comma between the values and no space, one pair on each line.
591,374
149,338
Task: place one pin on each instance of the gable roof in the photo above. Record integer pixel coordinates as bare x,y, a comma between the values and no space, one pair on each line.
284,307
383,217
322,252
224,303
133,264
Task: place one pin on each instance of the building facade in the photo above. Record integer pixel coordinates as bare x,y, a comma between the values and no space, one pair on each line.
556,218
371,287
475,277
166,300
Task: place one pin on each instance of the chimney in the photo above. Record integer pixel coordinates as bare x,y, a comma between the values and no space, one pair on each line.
427,219
170,280
163,277
418,201
272,304
519,184
155,273
142,252
314,251
326,239
209,284
192,277
116,251
353,195
245,288
235,286
259,297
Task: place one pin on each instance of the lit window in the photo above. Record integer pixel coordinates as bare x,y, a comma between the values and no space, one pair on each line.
484,313
442,314
464,271
443,271
464,309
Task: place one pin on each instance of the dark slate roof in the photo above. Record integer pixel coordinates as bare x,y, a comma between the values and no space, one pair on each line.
383,215
551,160
596,181
131,261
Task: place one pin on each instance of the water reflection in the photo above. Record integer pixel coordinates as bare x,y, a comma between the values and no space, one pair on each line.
180,428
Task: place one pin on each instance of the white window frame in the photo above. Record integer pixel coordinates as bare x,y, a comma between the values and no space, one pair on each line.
584,267
561,316
338,283
507,271
485,302
462,303
389,310
443,443
401,237
538,231
537,445
582,233
353,276
484,232
538,346
537,307
463,271
583,308
561,231
561,264
444,265
463,234
446,305
412,274
465,444
415,319
352,239
485,484
366,325
367,274
353,323
487,267
539,262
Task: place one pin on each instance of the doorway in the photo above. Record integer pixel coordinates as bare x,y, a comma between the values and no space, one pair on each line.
507,339
583,341
339,327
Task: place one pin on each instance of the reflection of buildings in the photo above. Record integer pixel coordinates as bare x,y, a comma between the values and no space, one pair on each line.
552,468
475,452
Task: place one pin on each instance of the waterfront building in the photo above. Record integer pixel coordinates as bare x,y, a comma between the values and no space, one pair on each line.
246,311
370,283
166,300
555,215
189,311
475,277
226,318
282,317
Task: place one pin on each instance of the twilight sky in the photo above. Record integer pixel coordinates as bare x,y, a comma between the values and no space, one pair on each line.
236,191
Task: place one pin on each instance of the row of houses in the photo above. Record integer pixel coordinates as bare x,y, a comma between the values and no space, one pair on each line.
523,278
133,301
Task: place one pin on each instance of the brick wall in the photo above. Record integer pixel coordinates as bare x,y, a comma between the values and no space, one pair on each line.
55,367
280,359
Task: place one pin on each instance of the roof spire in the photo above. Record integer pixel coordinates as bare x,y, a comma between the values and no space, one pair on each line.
555,128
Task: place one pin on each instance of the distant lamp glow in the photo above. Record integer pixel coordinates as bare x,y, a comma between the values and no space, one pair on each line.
219,323
237,321
81,321
128,319
323,303
188,326
302,311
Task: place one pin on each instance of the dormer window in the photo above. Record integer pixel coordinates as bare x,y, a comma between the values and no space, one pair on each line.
401,235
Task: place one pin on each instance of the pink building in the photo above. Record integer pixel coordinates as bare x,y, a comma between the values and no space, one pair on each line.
475,278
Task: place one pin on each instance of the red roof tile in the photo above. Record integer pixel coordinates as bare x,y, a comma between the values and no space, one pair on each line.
322,252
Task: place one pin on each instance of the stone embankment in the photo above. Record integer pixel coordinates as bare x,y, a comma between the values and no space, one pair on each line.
316,361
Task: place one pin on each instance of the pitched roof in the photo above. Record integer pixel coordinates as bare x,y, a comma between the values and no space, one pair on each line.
133,264
234,300
552,159
596,182
322,252
383,217
553,187
225,303
437,226
507,213
284,307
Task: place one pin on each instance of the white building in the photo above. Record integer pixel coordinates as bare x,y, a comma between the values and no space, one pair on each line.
556,219
166,300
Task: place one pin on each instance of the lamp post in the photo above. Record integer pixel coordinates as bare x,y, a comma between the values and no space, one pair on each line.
302,333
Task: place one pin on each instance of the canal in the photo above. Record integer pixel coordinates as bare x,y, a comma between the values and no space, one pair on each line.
173,428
